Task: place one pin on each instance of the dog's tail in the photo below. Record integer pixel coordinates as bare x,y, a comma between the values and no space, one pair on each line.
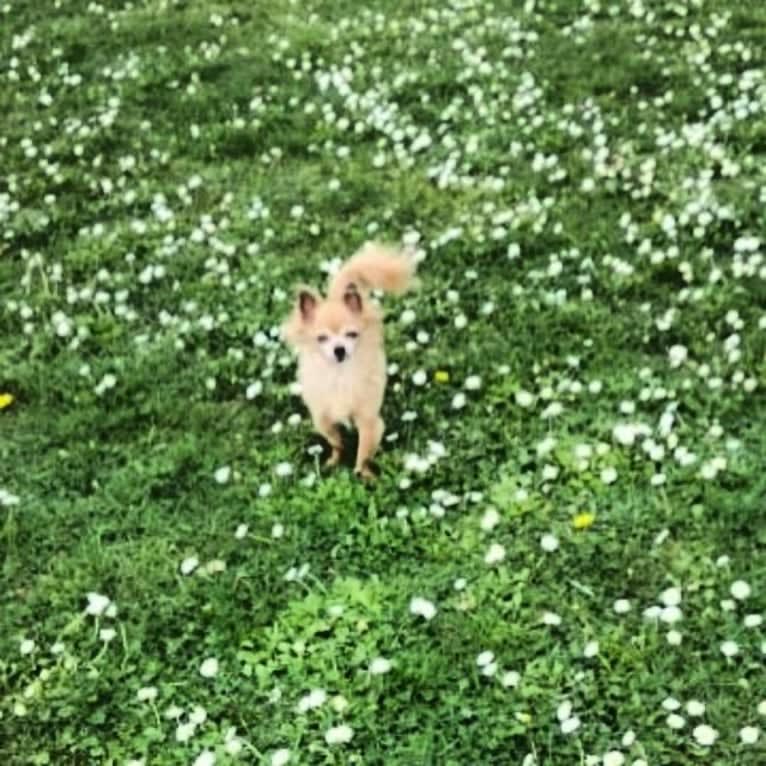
376,267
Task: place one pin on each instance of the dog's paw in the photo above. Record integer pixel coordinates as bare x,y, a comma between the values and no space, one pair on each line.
365,474
334,458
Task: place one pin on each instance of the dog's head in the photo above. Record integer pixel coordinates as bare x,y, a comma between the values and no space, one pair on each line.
332,328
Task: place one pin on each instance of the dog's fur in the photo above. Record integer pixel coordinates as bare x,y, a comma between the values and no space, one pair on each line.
339,341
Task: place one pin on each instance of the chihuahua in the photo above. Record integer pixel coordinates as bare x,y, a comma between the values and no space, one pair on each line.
339,342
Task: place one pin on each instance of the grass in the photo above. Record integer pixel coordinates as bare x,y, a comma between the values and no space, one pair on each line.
584,182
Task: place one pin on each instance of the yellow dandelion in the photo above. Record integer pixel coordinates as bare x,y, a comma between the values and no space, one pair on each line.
6,400
583,520
441,376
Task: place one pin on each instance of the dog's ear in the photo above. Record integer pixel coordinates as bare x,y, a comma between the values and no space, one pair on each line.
352,299
307,303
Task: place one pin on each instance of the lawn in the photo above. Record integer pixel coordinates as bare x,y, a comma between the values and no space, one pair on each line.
563,559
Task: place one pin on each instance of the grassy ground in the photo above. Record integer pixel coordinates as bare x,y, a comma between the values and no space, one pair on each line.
585,542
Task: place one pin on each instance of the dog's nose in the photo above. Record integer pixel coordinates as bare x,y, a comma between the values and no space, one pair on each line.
340,353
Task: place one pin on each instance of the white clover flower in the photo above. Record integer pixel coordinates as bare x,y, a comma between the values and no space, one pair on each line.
489,520
622,606
705,735
485,658
222,474
740,590
458,401
473,383
379,666
27,646
280,757
198,716
674,638
671,615
729,649
97,604
188,565
749,735
546,446
495,554
419,378
147,694
422,607
695,708
254,390
232,744
609,475
625,434
277,531
339,703
314,699
549,543
107,635
590,650
510,679
753,621
209,668
241,531
553,410
671,596
564,710
570,725
339,735
185,731
677,355
205,758
7,499
614,758
524,398
675,721
551,619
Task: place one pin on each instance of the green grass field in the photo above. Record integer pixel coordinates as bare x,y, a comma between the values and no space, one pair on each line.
563,560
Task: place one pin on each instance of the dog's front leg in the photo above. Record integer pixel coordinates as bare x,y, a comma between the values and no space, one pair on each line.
331,432
370,434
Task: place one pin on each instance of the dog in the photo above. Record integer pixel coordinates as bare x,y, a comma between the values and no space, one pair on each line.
340,348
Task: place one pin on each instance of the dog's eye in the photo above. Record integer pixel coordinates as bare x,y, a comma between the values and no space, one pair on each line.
352,334
322,338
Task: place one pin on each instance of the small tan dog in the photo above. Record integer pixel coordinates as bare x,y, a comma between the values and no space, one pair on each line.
339,341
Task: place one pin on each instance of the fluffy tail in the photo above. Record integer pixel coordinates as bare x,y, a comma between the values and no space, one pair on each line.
375,266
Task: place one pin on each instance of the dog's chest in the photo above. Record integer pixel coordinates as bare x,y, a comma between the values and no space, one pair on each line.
337,391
